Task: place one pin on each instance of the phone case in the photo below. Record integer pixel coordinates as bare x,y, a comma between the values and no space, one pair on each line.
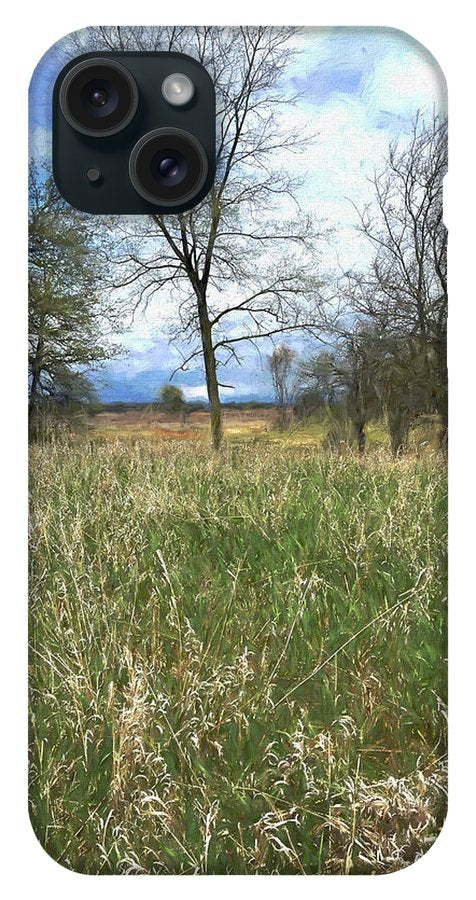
238,432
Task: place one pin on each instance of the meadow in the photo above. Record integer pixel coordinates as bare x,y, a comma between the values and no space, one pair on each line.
237,659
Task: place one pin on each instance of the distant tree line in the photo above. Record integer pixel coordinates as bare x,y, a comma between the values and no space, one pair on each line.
386,357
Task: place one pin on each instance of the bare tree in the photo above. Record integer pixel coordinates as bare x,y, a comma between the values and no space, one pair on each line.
347,373
404,293
281,364
400,377
237,272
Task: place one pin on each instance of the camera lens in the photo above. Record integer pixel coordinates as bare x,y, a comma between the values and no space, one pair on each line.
168,167
98,97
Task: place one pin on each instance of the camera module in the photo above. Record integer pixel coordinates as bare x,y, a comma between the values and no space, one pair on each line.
134,132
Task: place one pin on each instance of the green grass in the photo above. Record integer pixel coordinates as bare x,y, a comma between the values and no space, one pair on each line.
179,604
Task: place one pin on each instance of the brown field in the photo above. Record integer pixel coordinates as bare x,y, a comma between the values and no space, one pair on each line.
158,425
241,426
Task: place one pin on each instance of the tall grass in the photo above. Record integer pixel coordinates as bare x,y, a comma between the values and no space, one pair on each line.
237,663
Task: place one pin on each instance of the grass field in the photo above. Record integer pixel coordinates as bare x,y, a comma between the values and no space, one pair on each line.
237,663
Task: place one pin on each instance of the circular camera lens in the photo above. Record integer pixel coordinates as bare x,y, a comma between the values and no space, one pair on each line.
168,167
98,97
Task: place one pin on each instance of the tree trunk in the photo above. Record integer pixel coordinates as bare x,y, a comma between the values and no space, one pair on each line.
359,420
442,393
33,391
282,418
34,388
361,436
398,426
211,374
32,410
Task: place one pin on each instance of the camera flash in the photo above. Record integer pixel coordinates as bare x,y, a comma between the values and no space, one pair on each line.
178,89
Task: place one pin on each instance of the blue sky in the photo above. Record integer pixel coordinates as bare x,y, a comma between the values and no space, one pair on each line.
358,90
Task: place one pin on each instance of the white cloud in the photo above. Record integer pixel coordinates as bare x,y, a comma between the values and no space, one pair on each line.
352,130
405,79
199,392
39,145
